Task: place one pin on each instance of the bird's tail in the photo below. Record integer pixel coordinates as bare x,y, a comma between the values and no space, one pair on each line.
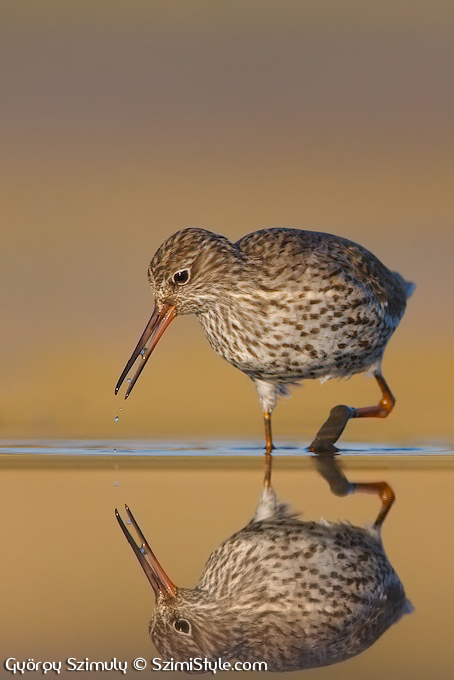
408,607
408,286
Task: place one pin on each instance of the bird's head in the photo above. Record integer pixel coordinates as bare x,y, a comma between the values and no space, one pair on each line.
188,273
193,625
190,269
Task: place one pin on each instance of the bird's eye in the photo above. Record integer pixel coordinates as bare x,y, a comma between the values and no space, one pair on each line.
182,626
181,277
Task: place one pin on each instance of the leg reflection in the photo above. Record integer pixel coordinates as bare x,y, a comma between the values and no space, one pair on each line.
328,466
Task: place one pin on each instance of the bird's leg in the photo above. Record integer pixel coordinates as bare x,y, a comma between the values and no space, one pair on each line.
383,491
384,406
332,429
268,449
329,469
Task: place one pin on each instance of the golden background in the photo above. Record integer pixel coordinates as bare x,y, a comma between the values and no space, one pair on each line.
124,122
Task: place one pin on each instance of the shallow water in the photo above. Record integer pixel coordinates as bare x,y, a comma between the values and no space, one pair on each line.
71,587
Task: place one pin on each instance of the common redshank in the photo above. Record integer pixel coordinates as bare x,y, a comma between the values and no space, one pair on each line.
292,594
282,305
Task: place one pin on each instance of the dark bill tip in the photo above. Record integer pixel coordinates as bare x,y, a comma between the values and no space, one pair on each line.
155,327
157,577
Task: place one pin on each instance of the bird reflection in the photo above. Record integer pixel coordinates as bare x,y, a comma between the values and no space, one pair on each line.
291,593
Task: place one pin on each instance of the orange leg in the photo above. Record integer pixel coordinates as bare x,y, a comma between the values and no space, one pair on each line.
383,491
384,406
268,449
332,429
330,470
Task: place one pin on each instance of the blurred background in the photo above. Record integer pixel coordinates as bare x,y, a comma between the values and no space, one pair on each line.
124,122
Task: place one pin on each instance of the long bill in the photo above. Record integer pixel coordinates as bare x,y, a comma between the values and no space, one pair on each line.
155,574
156,326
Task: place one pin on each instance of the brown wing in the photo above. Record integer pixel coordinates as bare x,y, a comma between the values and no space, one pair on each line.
342,259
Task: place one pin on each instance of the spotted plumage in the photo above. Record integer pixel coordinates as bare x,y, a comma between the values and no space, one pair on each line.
294,594
281,305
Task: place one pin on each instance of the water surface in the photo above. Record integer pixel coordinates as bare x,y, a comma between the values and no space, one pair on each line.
71,587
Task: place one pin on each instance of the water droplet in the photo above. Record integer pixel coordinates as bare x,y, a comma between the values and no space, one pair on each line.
128,521
128,380
116,483
117,419
142,550
121,408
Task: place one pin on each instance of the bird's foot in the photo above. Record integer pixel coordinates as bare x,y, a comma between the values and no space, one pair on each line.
321,447
332,429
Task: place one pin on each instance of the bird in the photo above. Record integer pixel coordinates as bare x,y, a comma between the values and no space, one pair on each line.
281,305
293,594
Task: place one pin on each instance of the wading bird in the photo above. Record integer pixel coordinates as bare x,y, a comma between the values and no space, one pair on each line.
281,305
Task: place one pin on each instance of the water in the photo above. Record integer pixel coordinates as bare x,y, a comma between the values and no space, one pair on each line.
71,587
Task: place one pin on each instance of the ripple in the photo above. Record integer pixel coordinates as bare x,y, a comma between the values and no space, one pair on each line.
205,449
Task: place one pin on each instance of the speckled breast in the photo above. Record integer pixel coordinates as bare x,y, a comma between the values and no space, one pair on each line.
302,335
